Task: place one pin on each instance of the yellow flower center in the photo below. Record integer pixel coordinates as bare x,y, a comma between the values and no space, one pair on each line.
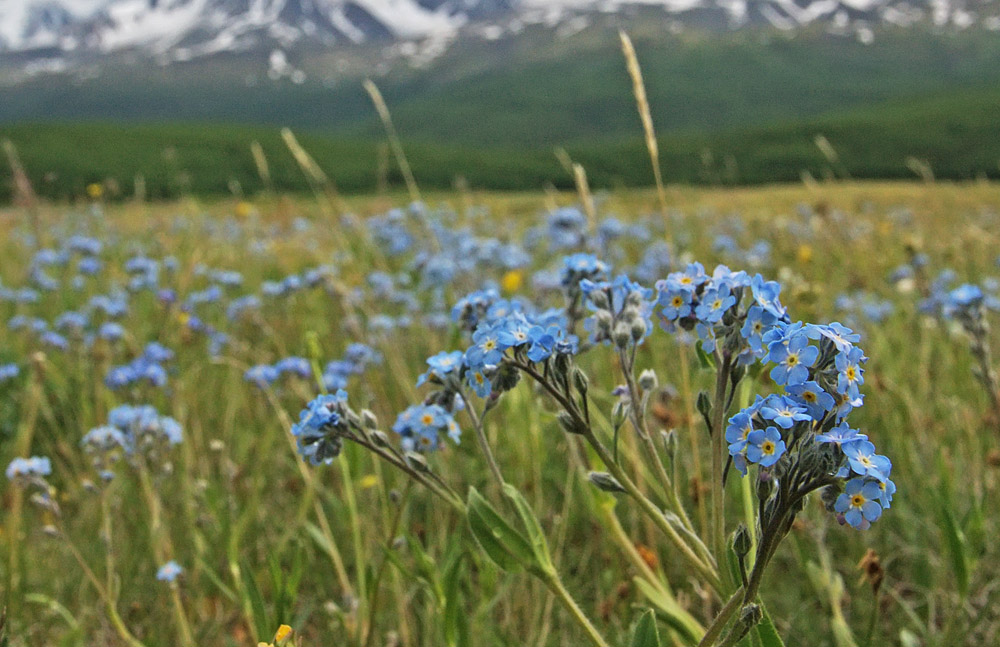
767,447
858,500
809,396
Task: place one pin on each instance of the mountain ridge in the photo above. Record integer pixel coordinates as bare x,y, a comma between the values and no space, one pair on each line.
64,32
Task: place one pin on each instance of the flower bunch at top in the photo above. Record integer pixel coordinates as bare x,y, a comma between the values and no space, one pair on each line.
622,311
23,471
716,308
131,431
531,337
148,367
421,425
318,433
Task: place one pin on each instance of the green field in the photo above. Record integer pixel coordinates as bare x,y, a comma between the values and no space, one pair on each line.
954,135
355,553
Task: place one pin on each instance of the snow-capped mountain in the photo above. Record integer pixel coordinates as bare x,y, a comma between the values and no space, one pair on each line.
184,29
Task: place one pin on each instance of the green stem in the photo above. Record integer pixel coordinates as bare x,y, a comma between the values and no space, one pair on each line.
718,459
484,445
556,586
715,629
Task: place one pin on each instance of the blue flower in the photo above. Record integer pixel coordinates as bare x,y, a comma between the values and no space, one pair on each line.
850,374
886,488
758,321
28,468
714,303
318,428
262,375
783,411
864,461
859,503
765,446
169,572
442,364
739,429
812,396
793,360
676,302
766,293
488,347
8,372
843,338
421,424
479,382
840,435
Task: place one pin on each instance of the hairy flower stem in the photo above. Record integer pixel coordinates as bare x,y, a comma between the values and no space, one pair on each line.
706,569
715,629
484,445
638,420
981,351
555,585
719,409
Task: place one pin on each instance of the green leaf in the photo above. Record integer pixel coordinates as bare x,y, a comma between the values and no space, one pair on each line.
766,631
427,569
252,591
456,627
704,359
957,549
669,611
539,545
646,634
507,548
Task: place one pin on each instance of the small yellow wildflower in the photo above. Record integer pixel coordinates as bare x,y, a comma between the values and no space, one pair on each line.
243,209
95,191
512,281
368,481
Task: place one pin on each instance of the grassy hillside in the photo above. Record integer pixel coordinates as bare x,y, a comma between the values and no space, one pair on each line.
954,133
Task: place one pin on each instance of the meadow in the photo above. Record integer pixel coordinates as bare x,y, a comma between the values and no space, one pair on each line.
203,524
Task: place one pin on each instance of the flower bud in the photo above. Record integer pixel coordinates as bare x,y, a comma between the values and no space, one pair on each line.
600,299
704,404
622,335
380,438
638,329
603,321
741,541
648,380
605,481
417,462
580,381
568,423
619,413
749,616
765,487
368,419
507,377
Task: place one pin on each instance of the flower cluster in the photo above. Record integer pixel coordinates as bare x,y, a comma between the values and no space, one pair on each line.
147,367
320,428
622,311
132,432
421,425
801,433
